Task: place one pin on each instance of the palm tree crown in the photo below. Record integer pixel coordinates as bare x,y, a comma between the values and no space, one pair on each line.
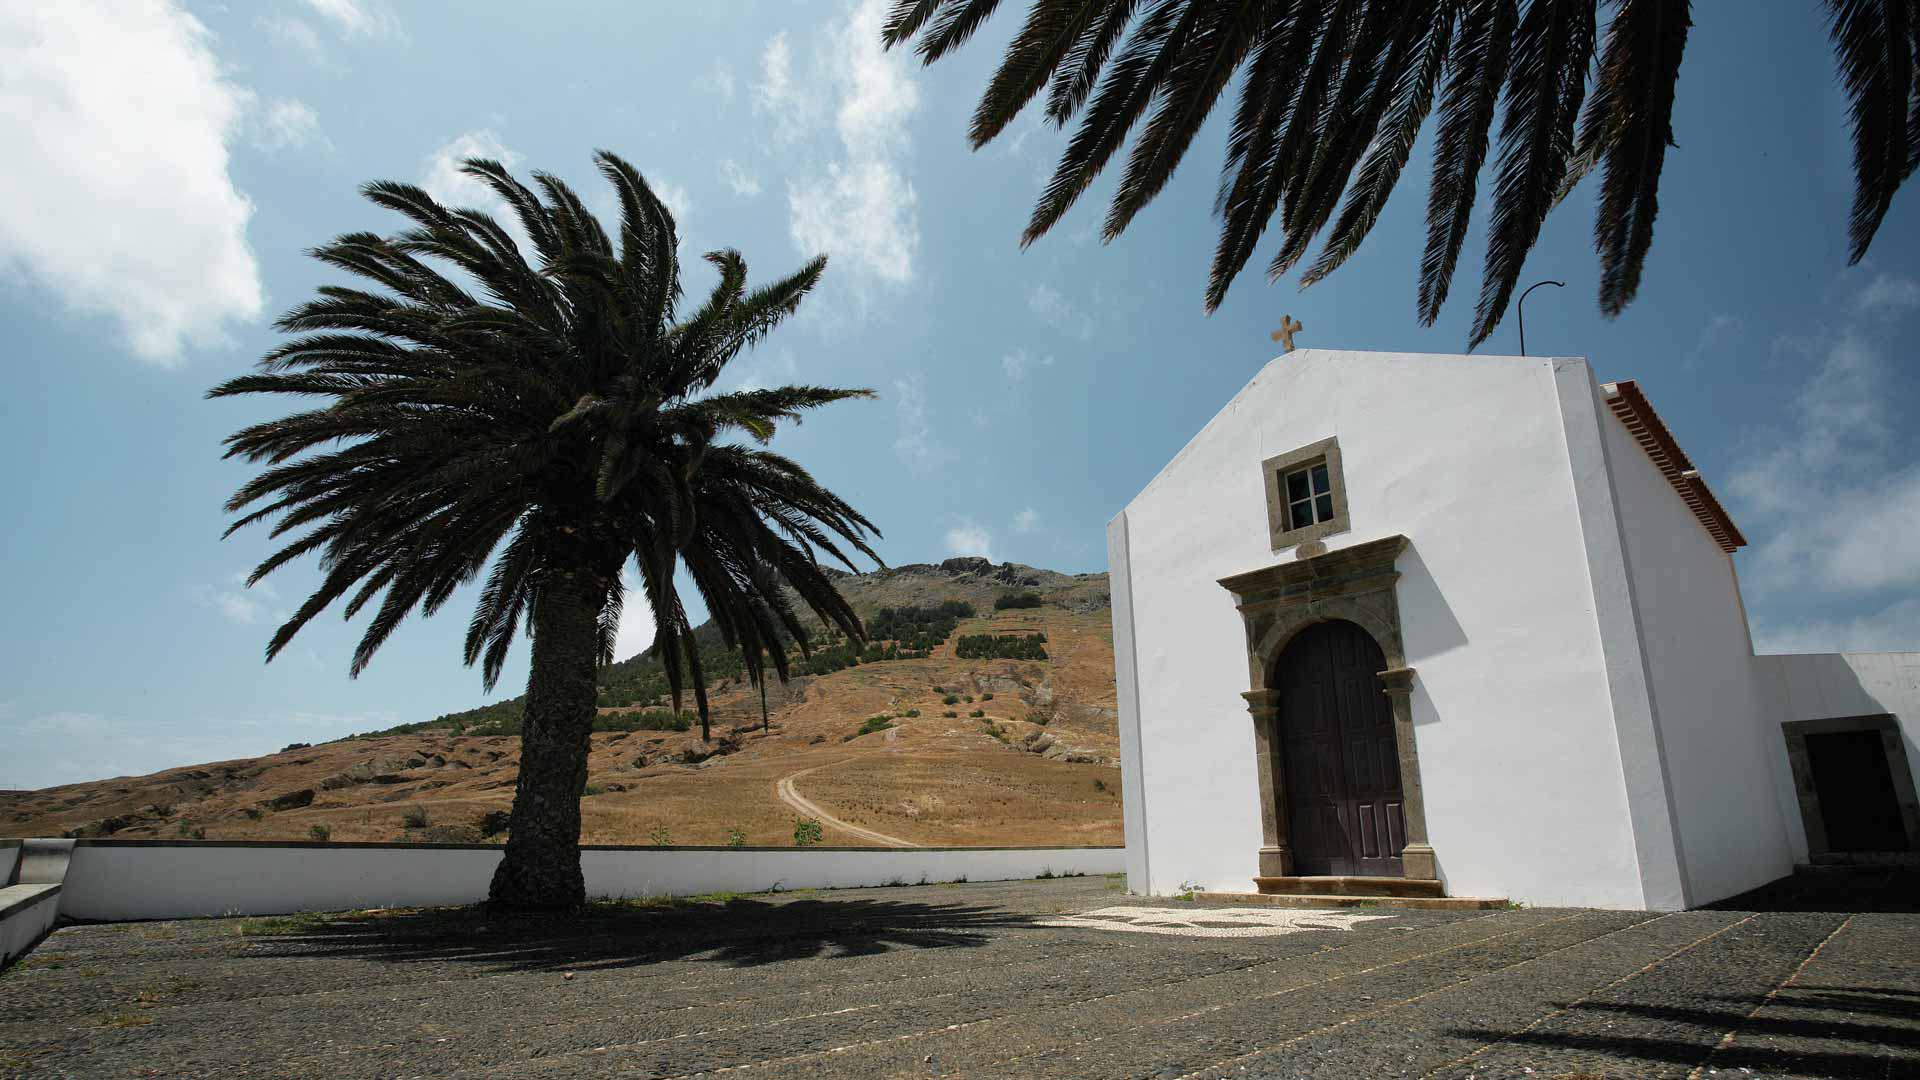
1329,87
564,415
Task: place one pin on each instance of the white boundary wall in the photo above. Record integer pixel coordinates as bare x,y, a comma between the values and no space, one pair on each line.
27,915
163,879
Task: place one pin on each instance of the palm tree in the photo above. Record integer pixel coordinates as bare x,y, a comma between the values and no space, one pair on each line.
1331,86
564,415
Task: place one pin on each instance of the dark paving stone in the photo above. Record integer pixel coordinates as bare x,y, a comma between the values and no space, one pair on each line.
965,981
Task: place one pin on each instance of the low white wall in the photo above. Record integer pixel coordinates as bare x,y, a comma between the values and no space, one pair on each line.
131,879
9,858
22,926
1820,686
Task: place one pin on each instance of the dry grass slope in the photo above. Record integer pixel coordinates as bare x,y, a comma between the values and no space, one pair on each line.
1039,766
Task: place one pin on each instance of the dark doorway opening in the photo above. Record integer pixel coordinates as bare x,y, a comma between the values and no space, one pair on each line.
1340,759
1854,783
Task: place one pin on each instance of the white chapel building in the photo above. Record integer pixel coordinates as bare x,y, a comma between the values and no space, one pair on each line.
1472,622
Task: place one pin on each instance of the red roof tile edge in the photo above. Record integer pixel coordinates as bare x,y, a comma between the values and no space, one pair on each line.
1636,412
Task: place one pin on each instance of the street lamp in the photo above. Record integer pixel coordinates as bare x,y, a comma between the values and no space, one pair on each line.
1521,306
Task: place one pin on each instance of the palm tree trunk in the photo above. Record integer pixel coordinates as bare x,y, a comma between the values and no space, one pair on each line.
541,869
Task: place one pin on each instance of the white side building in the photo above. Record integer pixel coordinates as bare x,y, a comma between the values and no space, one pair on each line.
1473,622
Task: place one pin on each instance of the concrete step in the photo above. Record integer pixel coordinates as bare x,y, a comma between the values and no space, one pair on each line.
1320,900
1350,886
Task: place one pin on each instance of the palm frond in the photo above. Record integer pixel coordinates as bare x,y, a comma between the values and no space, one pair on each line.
1876,42
1545,87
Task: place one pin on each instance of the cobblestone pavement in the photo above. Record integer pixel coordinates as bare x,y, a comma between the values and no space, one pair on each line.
984,980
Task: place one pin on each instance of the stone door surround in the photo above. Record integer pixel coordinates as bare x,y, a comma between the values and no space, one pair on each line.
1355,584
1796,732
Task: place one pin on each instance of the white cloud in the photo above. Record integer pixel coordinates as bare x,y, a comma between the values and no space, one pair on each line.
779,96
1888,293
1026,520
636,620
742,182
1835,503
969,538
289,125
721,81
1017,364
861,208
238,603
357,18
1720,330
297,35
1895,628
676,198
1055,310
915,443
116,196
446,183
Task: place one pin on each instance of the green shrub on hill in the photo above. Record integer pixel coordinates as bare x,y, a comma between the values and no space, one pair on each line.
1016,600
1001,647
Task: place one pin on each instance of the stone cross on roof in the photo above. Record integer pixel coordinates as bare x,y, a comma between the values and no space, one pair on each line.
1288,328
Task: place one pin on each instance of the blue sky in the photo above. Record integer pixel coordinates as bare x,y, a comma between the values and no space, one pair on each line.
168,165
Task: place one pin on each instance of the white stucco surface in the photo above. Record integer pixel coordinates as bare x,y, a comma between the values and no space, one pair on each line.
1467,457
27,913
1820,686
9,858
1705,688
133,880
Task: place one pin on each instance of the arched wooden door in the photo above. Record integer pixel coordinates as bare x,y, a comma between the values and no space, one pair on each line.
1339,757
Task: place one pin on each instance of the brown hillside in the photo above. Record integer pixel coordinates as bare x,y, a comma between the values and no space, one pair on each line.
1038,767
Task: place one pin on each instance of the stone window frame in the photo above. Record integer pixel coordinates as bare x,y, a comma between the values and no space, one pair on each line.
1274,471
1801,765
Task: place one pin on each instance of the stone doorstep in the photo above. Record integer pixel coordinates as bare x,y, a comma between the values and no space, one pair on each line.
1315,900
1350,885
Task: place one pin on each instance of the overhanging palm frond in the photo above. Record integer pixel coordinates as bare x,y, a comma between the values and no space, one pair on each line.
1328,86
1876,42
1479,70
1628,125
1545,87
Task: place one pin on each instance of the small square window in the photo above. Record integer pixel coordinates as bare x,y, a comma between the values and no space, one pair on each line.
1306,495
1308,499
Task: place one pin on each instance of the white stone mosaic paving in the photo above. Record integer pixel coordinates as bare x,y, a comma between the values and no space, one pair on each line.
1211,922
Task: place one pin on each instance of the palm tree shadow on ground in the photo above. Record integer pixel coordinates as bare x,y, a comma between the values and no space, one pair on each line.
1814,1042
612,935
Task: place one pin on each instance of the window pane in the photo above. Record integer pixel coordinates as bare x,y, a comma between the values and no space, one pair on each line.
1320,479
1297,485
1325,506
1300,514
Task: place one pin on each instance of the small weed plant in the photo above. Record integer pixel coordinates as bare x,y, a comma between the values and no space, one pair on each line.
807,832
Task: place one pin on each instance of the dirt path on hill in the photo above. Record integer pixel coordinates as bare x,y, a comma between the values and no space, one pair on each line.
806,806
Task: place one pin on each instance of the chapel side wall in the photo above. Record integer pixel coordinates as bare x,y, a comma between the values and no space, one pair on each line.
1701,675
1823,686
1466,457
